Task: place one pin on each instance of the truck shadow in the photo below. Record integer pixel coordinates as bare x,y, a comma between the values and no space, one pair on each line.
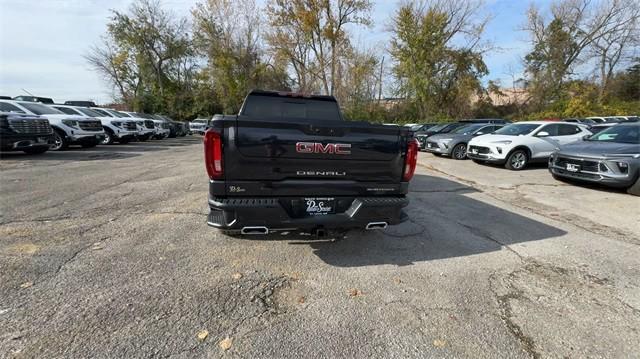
444,223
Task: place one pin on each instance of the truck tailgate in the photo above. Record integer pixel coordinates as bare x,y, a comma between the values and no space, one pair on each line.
313,150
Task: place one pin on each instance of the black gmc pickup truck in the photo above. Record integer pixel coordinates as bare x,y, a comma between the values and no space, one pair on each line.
290,163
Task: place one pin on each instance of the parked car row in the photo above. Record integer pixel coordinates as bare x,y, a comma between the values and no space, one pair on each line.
607,153
76,123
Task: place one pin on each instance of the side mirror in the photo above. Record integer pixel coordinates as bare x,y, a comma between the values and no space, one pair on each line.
543,134
479,133
585,137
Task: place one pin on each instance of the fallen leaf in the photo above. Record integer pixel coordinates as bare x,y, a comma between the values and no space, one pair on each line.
354,292
439,343
26,284
225,343
397,280
202,335
301,300
236,276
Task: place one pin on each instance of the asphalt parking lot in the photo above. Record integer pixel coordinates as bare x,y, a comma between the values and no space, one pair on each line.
105,253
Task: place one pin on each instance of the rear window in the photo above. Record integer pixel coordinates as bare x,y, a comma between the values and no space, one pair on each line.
289,109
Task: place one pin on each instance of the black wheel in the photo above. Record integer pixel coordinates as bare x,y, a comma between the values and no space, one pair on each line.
108,137
517,160
459,152
36,150
59,142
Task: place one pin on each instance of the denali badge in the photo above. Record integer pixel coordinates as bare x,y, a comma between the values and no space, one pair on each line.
316,147
321,173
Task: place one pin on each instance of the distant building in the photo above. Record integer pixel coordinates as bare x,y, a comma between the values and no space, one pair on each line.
506,96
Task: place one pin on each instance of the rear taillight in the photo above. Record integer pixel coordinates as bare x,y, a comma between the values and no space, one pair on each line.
213,153
410,160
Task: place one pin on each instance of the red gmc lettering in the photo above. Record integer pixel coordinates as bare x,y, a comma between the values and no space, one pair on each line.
331,148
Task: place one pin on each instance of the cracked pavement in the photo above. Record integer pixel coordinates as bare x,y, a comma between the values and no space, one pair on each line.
105,252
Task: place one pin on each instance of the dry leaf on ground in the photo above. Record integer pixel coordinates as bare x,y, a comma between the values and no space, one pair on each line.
236,276
439,343
202,335
26,284
225,344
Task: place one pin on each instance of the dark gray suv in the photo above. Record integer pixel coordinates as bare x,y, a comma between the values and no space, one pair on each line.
610,157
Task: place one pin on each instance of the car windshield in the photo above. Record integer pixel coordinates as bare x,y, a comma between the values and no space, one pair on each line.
437,128
7,107
40,109
618,134
68,111
465,130
90,112
117,114
517,129
102,112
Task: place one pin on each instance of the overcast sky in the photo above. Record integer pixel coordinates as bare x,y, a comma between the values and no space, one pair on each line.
43,43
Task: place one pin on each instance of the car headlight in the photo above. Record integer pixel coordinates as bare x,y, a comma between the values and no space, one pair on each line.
505,142
445,140
116,123
70,123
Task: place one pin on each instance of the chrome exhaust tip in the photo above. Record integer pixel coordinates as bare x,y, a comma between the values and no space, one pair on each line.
376,225
254,230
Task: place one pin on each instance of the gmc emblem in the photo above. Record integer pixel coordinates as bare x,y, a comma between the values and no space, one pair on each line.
316,147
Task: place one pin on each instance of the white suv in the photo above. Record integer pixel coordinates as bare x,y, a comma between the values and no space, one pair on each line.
199,125
144,132
115,129
520,143
68,129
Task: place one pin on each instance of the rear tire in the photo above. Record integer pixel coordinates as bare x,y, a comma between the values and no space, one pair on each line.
35,151
517,160
459,152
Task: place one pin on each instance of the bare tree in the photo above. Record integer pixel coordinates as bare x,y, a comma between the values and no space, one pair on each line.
564,39
616,43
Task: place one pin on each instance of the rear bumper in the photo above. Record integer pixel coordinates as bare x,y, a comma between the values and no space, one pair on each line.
277,214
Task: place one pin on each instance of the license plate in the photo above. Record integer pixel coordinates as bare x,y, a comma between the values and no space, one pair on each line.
573,168
320,206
